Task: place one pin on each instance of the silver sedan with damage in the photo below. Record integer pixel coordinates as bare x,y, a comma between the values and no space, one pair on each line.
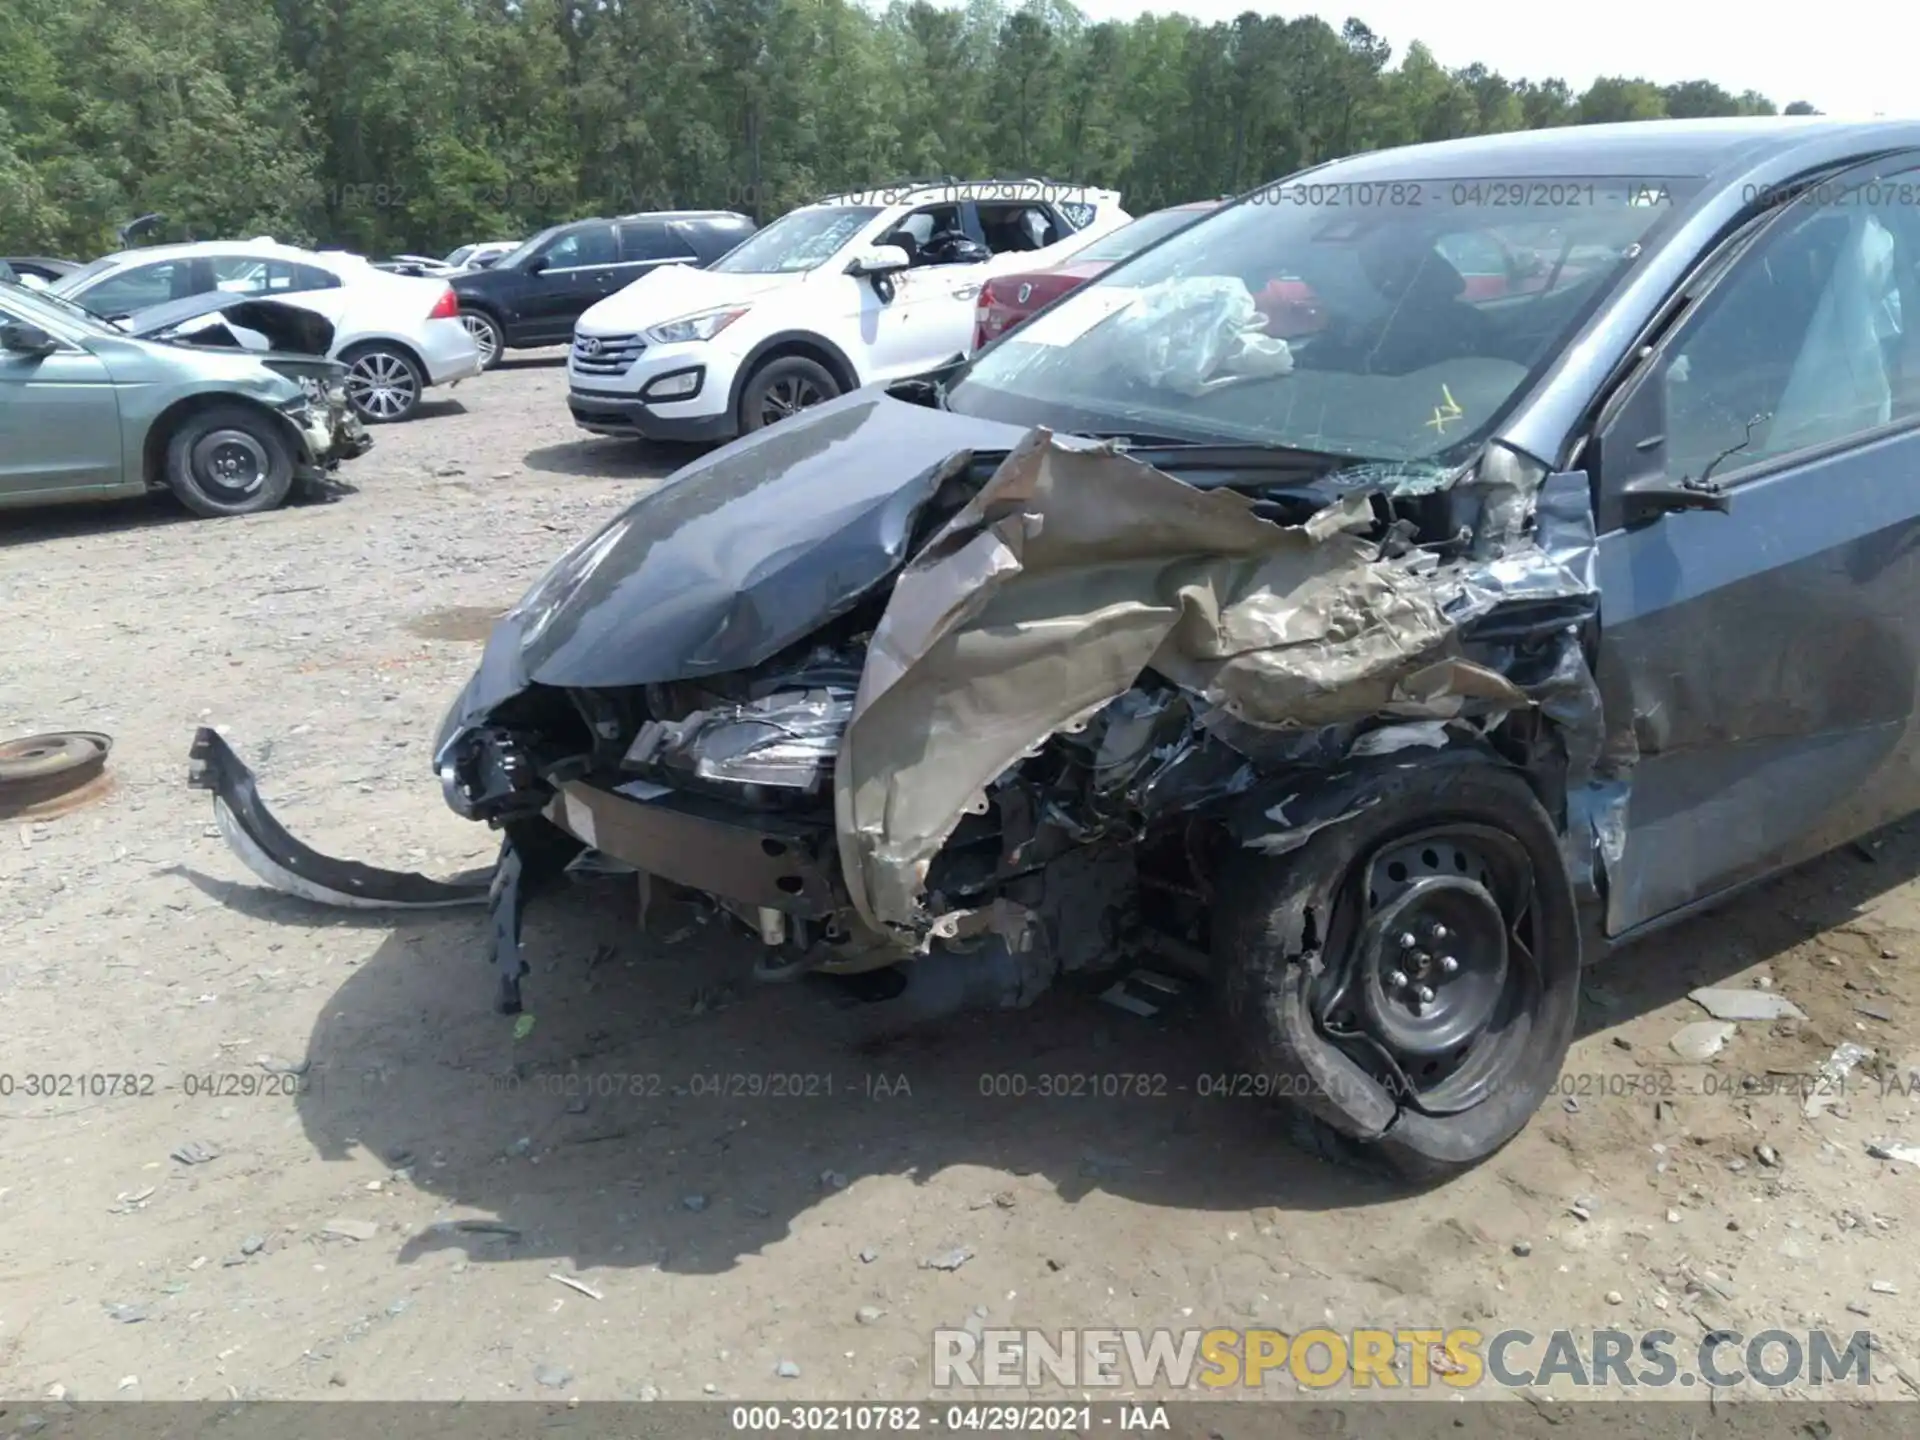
91,412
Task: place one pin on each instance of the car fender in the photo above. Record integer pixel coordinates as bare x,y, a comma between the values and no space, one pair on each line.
795,340
147,435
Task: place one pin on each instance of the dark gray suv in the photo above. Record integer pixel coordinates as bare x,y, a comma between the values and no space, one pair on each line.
532,296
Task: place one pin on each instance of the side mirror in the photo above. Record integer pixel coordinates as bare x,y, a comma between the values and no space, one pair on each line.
880,260
536,265
21,338
1635,479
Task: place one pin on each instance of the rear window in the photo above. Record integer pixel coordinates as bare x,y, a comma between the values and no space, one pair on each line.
653,240
1133,238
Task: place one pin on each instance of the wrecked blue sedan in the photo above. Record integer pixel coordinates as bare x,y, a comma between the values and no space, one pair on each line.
1385,595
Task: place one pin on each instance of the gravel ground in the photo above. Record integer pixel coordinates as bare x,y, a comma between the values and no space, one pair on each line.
750,1199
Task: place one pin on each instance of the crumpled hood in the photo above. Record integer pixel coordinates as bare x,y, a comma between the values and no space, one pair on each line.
735,557
673,292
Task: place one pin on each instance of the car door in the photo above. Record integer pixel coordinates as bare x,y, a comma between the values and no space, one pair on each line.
646,245
581,269
59,417
1759,666
930,317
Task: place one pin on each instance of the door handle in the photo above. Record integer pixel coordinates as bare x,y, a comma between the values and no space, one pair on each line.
966,292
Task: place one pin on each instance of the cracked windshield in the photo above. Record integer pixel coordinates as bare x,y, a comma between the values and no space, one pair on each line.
1390,326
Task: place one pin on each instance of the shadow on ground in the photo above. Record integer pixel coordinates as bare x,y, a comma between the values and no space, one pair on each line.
434,405
653,1069
146,512
601,457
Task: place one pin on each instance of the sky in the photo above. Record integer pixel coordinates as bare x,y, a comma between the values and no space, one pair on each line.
1850,58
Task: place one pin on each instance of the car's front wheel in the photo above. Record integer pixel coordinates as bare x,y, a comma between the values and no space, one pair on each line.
782,388
1406,982
229,460
487,336
384,383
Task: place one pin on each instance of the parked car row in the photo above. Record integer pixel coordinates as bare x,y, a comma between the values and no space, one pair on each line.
841,293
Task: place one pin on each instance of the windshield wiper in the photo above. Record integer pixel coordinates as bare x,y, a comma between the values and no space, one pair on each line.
1171,454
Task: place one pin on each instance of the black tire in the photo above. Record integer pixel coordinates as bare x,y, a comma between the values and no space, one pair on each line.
230,460
487,334
1292,928
783,387
384,382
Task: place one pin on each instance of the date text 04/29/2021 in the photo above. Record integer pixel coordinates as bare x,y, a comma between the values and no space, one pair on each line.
984,1417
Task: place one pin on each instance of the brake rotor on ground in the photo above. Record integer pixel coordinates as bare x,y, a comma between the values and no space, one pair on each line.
47,775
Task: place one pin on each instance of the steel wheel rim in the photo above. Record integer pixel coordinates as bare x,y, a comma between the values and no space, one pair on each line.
481,329
1455,1067
381,385
230,462
788,396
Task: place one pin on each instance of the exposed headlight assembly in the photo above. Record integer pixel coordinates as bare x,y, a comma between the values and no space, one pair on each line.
694,327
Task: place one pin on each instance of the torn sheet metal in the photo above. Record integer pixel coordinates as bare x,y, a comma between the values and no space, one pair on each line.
1072,571
213,317
266,848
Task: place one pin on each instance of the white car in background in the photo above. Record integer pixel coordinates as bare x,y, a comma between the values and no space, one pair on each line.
847,291
477,257
398,335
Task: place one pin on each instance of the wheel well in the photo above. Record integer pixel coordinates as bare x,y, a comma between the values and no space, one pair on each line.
820,352
387,342
481,307
166,425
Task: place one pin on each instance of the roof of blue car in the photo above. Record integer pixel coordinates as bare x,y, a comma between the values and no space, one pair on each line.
1643,149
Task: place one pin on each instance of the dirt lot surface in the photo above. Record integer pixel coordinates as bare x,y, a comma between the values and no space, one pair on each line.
752,1201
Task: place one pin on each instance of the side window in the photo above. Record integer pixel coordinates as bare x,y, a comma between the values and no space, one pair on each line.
287,278
928,234
1016,226
713,241
240,274
642,240
1473,253
1800,345
140,286
592,246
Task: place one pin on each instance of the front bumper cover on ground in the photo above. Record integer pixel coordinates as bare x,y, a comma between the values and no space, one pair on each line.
270,852
286,864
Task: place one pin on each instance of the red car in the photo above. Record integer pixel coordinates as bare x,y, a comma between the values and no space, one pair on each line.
1491,267
1006,300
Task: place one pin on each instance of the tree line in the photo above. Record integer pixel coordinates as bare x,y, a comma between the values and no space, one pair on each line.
417,125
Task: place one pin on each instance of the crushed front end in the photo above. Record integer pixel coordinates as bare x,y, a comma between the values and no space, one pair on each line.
1026,743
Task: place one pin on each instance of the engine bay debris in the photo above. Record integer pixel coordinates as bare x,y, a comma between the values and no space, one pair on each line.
1008,701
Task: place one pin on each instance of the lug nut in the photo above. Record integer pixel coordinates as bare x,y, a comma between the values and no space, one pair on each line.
1397,981
1425,993
1437,931
1448,964
1408,940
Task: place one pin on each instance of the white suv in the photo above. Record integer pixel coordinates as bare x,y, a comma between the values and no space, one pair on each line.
396,334
858,288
